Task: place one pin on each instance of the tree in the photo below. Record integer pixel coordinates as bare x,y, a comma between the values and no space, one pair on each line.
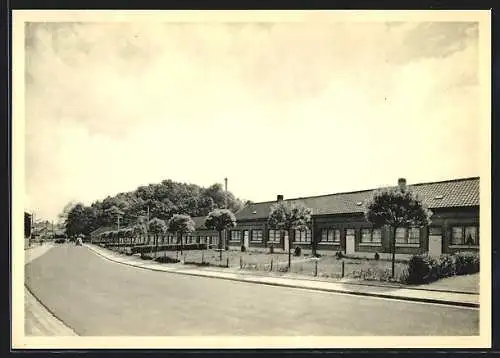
287,216
396,207
80,220
220,220
157,227
179,225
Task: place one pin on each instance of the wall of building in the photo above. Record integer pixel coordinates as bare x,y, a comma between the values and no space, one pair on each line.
442,218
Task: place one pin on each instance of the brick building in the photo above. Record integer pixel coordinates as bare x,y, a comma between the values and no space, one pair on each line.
338,223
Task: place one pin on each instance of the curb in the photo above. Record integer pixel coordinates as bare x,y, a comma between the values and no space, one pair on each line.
291,285
51,314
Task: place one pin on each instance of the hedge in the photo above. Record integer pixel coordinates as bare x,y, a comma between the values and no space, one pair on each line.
426,269
143,249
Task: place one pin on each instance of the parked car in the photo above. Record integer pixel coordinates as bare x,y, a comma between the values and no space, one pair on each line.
60,241
78,241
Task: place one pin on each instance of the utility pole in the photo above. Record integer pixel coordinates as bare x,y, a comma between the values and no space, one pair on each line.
225,207
225,193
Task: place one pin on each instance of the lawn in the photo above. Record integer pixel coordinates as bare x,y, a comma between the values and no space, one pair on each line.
323,267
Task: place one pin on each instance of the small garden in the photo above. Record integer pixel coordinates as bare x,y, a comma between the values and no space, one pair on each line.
419,269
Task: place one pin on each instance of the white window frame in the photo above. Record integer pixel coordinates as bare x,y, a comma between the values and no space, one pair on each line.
252,235
408,240
325,232
371,242
304,235
232,239
463,229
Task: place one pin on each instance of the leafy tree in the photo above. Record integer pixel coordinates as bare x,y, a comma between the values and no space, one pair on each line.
220,220
157,227
396,207
287,216
180,225
80,220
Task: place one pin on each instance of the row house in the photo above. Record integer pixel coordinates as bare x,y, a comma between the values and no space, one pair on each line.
338,223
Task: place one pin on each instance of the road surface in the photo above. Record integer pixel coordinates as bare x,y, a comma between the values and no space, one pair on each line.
94,296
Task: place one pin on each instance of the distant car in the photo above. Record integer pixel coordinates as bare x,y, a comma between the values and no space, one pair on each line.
60,241
78,242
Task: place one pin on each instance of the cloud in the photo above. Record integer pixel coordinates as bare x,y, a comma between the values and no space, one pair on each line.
283,107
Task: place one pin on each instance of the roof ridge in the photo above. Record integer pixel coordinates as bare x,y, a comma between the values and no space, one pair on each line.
367,190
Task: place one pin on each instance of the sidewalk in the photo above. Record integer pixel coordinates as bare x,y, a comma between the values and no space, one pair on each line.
354,288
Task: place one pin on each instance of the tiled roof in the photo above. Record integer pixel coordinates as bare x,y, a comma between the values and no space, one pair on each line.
102,229
199,222
455,193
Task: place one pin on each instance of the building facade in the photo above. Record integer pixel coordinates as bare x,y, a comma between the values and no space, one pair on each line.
338,223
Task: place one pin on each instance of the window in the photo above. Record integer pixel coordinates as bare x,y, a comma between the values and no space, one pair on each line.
409,236
256,235
235,235
274,235
371,236
465,235
303,236
330,235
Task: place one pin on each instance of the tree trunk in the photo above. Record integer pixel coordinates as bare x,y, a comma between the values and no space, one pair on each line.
156,244
393,250
289,249
220,245
313,239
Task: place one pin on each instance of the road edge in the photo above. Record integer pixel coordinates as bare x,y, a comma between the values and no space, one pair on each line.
290,285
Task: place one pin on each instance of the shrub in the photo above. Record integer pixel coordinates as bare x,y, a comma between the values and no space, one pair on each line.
377,256
466,263
226,248
243,248
271,249
446,266
339,254
419,269
297,251
166,260
425,269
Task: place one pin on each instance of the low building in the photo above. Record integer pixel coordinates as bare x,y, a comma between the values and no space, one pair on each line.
338,223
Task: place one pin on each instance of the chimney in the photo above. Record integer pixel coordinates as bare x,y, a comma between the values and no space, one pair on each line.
402,184
279,198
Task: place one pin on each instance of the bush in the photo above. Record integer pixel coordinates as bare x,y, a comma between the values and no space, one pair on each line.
425,269
297,251
166,260
446,266
466,263
377,256
243,248
421,269
339,254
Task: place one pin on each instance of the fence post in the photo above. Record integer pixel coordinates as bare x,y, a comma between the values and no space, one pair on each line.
227,261
202,257
241,262
316,269
271,263
343,269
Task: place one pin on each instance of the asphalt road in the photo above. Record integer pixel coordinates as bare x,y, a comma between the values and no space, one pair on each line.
97,297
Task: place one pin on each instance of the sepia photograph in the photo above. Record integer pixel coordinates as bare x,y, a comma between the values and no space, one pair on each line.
251,179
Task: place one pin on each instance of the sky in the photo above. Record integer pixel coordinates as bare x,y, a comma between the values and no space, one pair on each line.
298,109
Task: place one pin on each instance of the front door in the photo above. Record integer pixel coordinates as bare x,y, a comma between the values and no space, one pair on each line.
286,241
246,239
435,241
350,241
